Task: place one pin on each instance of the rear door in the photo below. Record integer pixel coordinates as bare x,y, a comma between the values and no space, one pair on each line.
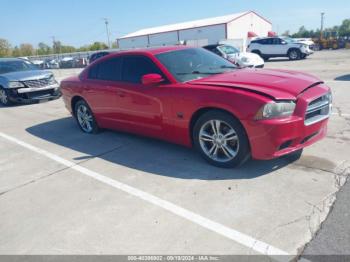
101,88
267,46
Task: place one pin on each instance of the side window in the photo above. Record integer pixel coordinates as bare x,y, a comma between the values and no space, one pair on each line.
263,41
216,51
269,41
93,72
109,70
134,67
276,41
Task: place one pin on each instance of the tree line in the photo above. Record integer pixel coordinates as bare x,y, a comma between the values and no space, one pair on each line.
26,49
342,30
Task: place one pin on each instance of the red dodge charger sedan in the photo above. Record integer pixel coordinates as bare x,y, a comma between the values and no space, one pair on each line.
193,97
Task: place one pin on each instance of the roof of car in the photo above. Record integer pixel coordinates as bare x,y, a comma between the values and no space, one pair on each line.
10,59
212,46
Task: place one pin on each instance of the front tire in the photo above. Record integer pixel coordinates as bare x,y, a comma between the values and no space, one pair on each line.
4,98
294,54
85,118
221,139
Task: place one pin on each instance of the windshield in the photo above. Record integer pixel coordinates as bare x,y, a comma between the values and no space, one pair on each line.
229,50
289,40
15,66
194,63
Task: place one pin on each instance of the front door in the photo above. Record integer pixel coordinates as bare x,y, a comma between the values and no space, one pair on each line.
140,107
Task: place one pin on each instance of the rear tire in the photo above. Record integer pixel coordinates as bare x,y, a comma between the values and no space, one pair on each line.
221,139
85,118
4,98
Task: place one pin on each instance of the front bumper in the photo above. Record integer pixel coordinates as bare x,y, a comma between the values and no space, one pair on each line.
33,95
306,51
274,138
252,64
277,137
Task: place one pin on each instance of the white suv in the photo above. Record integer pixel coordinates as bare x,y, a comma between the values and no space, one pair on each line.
279,47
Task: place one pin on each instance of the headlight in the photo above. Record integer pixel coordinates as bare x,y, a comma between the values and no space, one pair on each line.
276,110
15,84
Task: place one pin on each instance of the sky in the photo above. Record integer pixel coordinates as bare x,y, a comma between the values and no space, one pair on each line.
80,22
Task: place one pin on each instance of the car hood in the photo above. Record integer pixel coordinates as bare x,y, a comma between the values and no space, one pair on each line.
245,54
27,75
277,84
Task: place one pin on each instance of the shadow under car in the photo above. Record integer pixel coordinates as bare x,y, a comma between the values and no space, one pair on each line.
146,154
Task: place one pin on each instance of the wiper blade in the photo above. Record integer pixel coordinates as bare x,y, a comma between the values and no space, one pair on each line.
225,66
199,73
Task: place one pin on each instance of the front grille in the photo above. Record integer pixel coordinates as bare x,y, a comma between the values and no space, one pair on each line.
37,83
318,109
39,94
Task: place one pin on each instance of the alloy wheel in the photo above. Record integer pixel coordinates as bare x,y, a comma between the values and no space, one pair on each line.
3,97
85,118
293,55
219,141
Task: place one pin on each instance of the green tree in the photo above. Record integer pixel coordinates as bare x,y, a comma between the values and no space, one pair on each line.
67,49
5,48
57,47
16,52
302,33
98,46
83,48
26,49
43,49
344,29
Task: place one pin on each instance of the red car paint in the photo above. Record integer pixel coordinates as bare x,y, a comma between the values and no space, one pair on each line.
168,111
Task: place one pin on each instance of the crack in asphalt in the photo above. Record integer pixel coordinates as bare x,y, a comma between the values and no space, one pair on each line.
341,173
61,170
327,204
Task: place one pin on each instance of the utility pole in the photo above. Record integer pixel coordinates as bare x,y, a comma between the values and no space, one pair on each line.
107,31
322,24
53,44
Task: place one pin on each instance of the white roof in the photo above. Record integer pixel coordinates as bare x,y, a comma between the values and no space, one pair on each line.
186,25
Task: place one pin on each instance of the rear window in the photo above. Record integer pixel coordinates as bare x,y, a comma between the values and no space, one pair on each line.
108,70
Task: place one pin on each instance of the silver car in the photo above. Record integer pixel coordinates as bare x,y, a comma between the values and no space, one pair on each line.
23,82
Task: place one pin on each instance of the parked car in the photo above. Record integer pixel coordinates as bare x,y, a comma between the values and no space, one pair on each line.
67,62
97,55
51,64
22,81
38,63
193,97
81,62
306,41
241,59
279,47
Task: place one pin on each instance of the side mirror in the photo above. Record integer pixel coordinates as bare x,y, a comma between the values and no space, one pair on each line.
283,42
152,79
